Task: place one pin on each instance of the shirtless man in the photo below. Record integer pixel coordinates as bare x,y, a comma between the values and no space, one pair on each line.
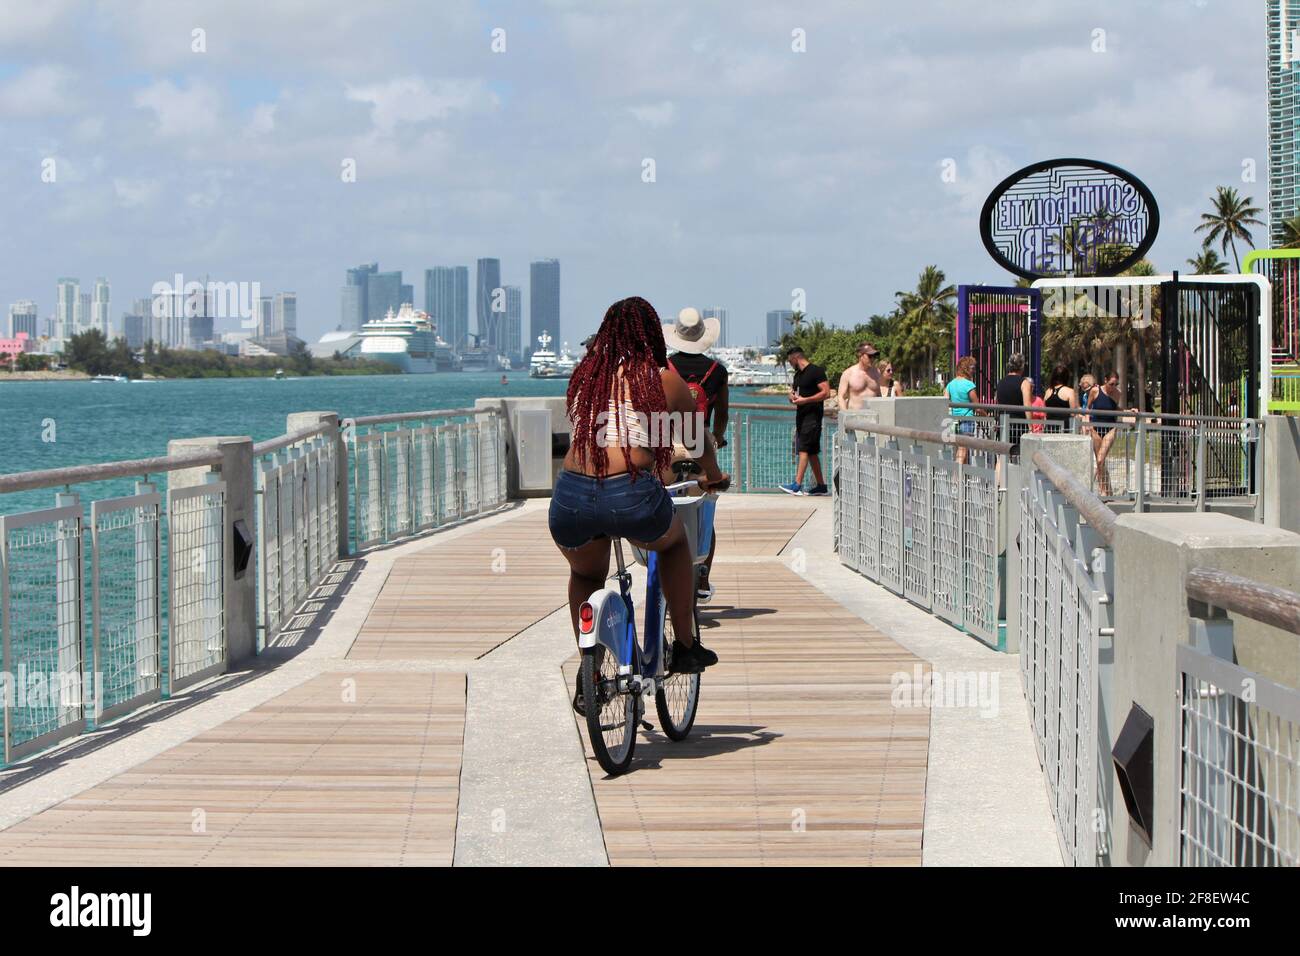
861,381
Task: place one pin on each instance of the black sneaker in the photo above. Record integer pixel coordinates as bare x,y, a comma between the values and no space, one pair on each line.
693,659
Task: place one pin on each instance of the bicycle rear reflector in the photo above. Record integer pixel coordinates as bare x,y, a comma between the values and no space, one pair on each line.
586,618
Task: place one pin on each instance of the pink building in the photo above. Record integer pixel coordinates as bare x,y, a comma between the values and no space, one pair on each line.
11,348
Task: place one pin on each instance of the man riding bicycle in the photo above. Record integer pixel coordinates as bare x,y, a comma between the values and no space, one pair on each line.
691,337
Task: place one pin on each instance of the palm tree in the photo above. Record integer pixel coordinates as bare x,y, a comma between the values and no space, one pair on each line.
796,321
1208,262
928,318
1228,220
1291,233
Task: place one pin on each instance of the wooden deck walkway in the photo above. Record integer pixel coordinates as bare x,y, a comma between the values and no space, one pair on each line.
797,754
348,768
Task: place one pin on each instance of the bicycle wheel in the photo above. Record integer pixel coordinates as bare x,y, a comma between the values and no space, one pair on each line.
611,716
678,696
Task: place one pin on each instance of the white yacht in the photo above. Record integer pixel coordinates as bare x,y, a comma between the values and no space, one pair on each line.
543,362
407,341
565,362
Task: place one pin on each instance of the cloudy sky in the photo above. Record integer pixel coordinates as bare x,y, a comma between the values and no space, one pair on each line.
774,169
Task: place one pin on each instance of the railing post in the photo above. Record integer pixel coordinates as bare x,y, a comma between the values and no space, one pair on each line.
240,588
1140,464
297,421
1202,434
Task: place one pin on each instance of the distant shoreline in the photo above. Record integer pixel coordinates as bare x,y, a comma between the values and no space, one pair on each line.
46,376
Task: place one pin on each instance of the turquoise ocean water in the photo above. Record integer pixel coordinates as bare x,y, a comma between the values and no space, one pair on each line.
93,422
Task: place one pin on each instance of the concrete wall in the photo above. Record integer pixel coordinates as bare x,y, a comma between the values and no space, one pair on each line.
560,430
1282,471
1152,554
924,412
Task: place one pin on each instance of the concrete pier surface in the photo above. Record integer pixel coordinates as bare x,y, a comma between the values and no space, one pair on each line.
422,716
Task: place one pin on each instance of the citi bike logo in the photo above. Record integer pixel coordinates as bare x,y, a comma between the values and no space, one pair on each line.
220,300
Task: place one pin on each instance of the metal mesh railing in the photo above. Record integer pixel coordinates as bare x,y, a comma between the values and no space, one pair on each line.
1240,765
42,607
127,610
922,525
297,522
1060,633
196,520
420,472
763,452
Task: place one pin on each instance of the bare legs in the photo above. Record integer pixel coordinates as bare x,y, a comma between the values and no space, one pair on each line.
589,567
804,460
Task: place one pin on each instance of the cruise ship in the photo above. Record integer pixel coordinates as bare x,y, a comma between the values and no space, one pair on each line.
546,364
408,341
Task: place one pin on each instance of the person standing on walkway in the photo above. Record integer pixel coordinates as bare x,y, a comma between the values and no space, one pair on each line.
889,387
1060,399
961,391
691,337
808,395
1016,388
861,380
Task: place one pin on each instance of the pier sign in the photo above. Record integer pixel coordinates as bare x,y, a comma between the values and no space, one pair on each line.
1069,217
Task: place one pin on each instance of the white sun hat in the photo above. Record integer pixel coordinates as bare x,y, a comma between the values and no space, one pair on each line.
690,333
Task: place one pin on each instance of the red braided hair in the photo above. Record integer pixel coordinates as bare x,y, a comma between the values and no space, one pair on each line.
626,352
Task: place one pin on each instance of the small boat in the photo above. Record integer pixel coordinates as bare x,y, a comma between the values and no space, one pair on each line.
110,378
505,380
279,374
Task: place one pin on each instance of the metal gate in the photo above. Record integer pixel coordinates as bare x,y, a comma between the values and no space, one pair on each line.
1210,365
994,323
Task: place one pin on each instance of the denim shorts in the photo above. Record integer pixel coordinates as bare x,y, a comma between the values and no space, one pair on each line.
585,508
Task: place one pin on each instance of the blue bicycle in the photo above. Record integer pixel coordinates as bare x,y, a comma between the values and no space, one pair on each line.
618,671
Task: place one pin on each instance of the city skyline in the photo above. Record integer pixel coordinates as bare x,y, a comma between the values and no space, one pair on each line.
230,163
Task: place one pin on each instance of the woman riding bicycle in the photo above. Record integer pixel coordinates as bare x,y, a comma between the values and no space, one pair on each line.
620,395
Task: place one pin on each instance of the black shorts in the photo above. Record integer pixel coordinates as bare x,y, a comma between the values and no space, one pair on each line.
808,436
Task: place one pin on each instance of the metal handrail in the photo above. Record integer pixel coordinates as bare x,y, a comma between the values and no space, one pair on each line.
104,471
774,407
1259,602
935,438
284,441
415,416
1093,509
1055,412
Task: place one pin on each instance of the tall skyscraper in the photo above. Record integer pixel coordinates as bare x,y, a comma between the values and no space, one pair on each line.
99,314
286,313
354,311
23,317
543,303
264,313
82,319
407,296
383,292
489,321
1283,19
778,323
67,304
719,313
135,329
446,299
514,323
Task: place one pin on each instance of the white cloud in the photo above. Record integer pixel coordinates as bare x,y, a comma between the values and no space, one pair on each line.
975,176
263,120
181,112
654,115
414,100
134,192
40,91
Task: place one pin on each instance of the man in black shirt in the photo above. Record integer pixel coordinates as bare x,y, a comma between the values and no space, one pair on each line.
808,395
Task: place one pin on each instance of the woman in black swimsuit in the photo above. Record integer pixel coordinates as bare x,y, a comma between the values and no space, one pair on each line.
1104,399
1060,398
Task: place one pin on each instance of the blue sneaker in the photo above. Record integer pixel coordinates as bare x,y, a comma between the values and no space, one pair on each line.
794,488
819,490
